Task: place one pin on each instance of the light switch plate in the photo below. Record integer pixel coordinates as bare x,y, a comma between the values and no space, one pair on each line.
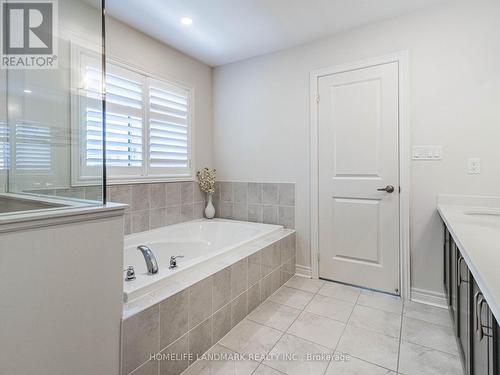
427,153
474,165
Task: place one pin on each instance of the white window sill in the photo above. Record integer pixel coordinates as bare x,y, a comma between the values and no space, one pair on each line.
148,180
131,180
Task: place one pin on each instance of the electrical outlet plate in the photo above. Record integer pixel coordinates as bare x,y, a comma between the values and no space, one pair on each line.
474,165
427,153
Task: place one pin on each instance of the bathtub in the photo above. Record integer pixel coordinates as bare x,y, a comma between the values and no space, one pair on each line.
200,242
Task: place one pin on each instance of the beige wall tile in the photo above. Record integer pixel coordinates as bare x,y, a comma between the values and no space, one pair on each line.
200,301
253,297
286,194
200,338
255,213
139,221
240,192
276,279
174,318
270,193
266,287
221,288
239,277
158,195
187,193
221,323
140,338
141,197
270,214
157,218
254,262
239,309
174,194
149,368
255,192
179,353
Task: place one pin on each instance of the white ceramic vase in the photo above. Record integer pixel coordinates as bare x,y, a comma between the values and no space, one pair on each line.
210,209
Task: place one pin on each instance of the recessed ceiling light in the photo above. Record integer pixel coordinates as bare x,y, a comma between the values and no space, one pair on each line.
186,21
28,91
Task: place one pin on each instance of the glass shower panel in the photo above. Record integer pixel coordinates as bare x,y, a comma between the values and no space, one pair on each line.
51,145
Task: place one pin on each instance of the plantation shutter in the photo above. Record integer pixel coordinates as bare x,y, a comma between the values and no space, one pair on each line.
33,151
169,128
124,120
4,146
148,125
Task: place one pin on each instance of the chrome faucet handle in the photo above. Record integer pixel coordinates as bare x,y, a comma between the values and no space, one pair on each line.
130,273
173,261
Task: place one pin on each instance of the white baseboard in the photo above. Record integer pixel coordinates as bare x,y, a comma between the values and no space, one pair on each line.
303,270
429,297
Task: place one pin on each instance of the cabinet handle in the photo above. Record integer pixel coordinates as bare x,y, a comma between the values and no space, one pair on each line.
476,318
459,271
479,316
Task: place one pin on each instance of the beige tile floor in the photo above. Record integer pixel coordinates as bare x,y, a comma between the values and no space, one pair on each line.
349,331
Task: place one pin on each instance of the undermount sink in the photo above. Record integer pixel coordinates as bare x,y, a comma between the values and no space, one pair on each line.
483,212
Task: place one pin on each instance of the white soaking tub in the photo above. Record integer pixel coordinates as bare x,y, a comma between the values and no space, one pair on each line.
199,242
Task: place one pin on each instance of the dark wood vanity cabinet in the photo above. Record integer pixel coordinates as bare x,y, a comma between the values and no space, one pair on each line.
451,277
446,262
477,331
454,254
463,327
484,354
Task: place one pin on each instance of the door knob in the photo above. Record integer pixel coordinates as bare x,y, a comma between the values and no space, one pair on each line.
387,189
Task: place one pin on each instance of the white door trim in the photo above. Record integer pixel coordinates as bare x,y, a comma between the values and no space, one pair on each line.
404,161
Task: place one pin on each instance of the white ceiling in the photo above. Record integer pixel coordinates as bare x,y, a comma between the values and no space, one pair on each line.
225,31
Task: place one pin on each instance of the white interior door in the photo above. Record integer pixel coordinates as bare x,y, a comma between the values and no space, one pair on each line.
358,156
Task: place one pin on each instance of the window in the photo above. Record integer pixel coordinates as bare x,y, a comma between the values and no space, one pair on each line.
168,127
32,148
33,151
148,125
4,146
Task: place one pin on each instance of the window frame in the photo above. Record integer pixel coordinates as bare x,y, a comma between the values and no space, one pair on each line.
124,175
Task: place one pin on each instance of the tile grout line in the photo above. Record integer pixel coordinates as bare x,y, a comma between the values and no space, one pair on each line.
285,332
432,323
430,348
343,332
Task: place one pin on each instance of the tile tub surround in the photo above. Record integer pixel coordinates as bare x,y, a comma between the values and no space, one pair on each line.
150,205
158,204
261,202
195,318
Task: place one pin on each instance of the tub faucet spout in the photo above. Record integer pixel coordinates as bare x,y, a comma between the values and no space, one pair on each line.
150,259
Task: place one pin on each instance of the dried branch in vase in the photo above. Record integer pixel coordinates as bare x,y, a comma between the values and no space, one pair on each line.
206,180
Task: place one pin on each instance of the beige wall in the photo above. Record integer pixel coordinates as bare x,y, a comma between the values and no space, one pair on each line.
261,114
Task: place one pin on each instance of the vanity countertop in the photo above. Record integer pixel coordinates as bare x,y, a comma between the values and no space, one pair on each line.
474,223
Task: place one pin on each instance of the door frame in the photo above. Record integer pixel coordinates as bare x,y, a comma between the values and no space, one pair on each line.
404,161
